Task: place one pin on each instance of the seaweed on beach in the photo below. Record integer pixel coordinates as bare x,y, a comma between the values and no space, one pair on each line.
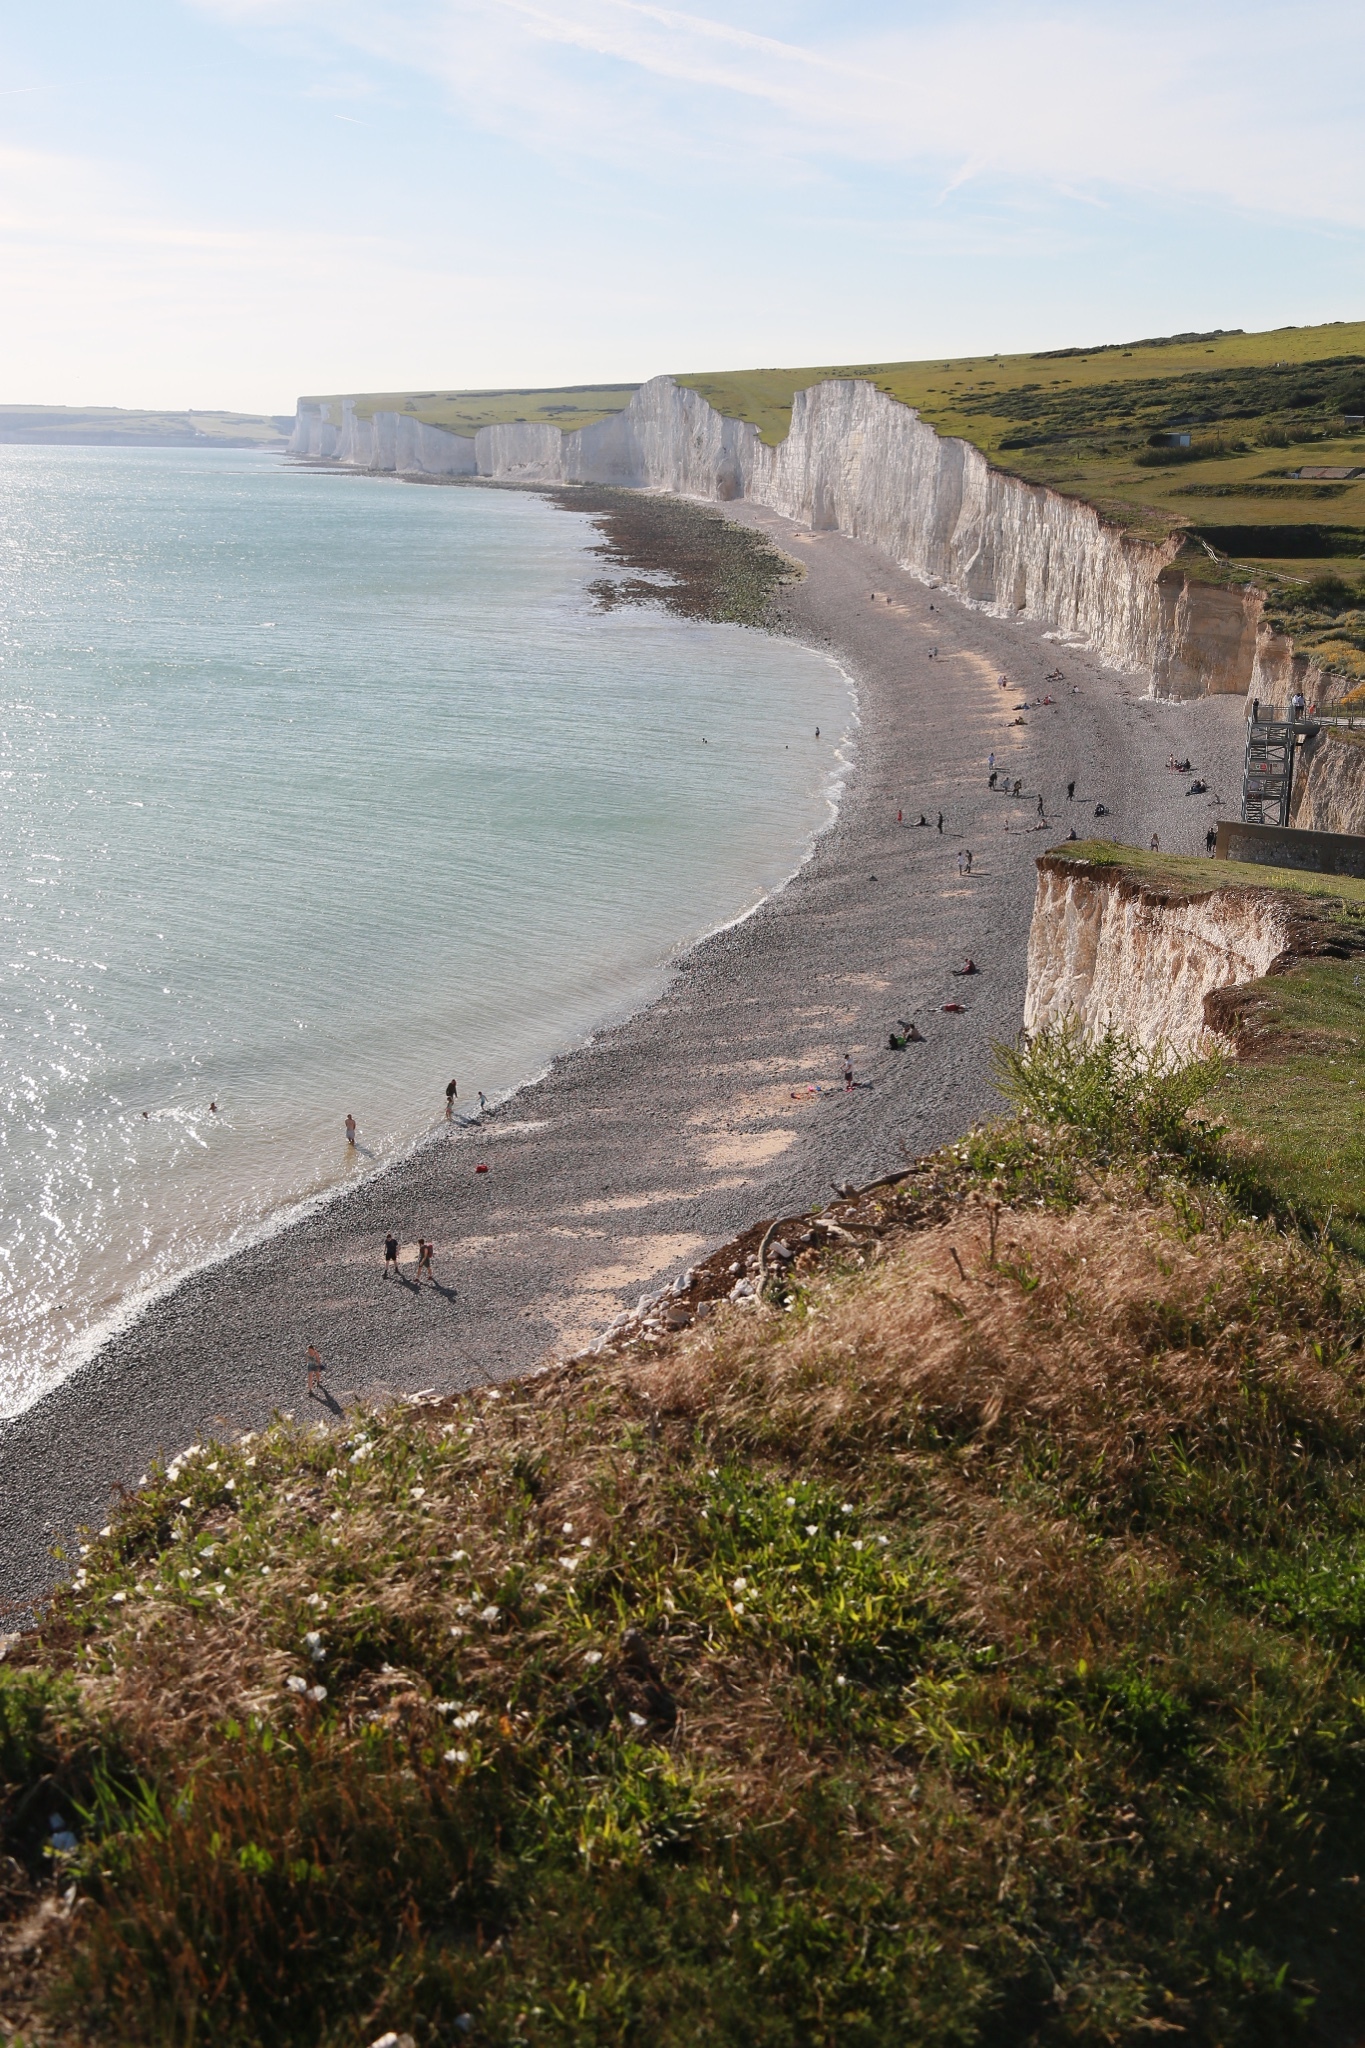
694,562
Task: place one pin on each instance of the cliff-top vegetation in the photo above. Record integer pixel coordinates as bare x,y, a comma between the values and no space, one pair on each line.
464,412
959,1644
1104,423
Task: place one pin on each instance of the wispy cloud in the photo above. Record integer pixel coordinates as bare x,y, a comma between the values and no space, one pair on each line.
1219,104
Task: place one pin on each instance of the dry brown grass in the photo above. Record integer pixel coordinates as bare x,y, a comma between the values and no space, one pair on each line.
913,1616
1110,1332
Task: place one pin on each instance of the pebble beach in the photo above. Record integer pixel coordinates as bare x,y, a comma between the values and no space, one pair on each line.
719,1104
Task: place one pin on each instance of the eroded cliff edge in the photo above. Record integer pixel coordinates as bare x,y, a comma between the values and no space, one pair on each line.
1165,960
863,464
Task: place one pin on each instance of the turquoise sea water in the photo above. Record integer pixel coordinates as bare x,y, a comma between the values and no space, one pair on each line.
315,791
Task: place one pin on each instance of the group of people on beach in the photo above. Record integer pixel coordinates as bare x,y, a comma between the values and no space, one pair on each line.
452,1093
425,1249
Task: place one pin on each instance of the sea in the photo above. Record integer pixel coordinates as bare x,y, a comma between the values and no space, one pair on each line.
318,791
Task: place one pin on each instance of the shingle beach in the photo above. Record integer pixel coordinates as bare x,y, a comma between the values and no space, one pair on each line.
671,1132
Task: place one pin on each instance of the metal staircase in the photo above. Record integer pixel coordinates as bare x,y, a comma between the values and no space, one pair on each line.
1268,776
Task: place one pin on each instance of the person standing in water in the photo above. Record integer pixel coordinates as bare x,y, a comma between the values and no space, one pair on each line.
350,1128
451,1092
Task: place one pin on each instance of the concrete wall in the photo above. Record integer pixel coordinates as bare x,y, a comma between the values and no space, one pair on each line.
1280,846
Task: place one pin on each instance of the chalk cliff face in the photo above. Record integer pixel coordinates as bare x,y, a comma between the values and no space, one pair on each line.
1329,783
1104,950
860,463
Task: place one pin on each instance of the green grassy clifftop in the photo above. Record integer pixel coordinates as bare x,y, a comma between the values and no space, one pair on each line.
954,1640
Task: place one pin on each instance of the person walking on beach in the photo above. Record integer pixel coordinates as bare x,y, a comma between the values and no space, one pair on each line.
940,821
1156,844
960,859
424,1251
1211,839
316,1368
1070,791
900,817
451,1092
991,783
848,1073
350,1128
1041,812
969,860
390,1255
483,1102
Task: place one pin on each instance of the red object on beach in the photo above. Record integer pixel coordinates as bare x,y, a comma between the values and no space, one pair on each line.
960,1007
480,1169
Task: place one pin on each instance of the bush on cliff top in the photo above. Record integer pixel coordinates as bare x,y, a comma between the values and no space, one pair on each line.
963,1647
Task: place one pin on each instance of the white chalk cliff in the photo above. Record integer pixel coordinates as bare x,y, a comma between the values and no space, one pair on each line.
1104,950
865,465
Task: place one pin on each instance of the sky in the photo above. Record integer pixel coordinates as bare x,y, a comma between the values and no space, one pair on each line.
233,202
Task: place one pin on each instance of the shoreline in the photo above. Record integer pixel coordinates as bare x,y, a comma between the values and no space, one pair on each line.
125,1316
673,1129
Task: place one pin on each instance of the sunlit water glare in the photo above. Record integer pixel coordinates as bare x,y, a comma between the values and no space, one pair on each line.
314,792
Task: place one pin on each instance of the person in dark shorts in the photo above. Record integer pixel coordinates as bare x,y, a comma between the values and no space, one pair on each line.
424,1251
316,1368
451,1092
390,1254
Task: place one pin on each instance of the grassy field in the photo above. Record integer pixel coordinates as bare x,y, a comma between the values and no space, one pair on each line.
959,1644
464,412
112,426
1094,423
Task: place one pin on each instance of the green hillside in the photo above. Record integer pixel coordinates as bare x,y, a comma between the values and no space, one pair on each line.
1100,424
464,412
112,426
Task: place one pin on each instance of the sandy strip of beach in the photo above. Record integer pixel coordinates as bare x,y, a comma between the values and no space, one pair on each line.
675,1130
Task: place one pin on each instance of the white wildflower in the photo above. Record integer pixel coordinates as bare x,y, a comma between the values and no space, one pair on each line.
585,1543
812,1529
847,1508
592,1656
418,1492
457,1631
791,1500
317,1692
638,1721
540,1587
297,1684
118,1598
568,1529
490,1615
457,1756
741,1585
316,1647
